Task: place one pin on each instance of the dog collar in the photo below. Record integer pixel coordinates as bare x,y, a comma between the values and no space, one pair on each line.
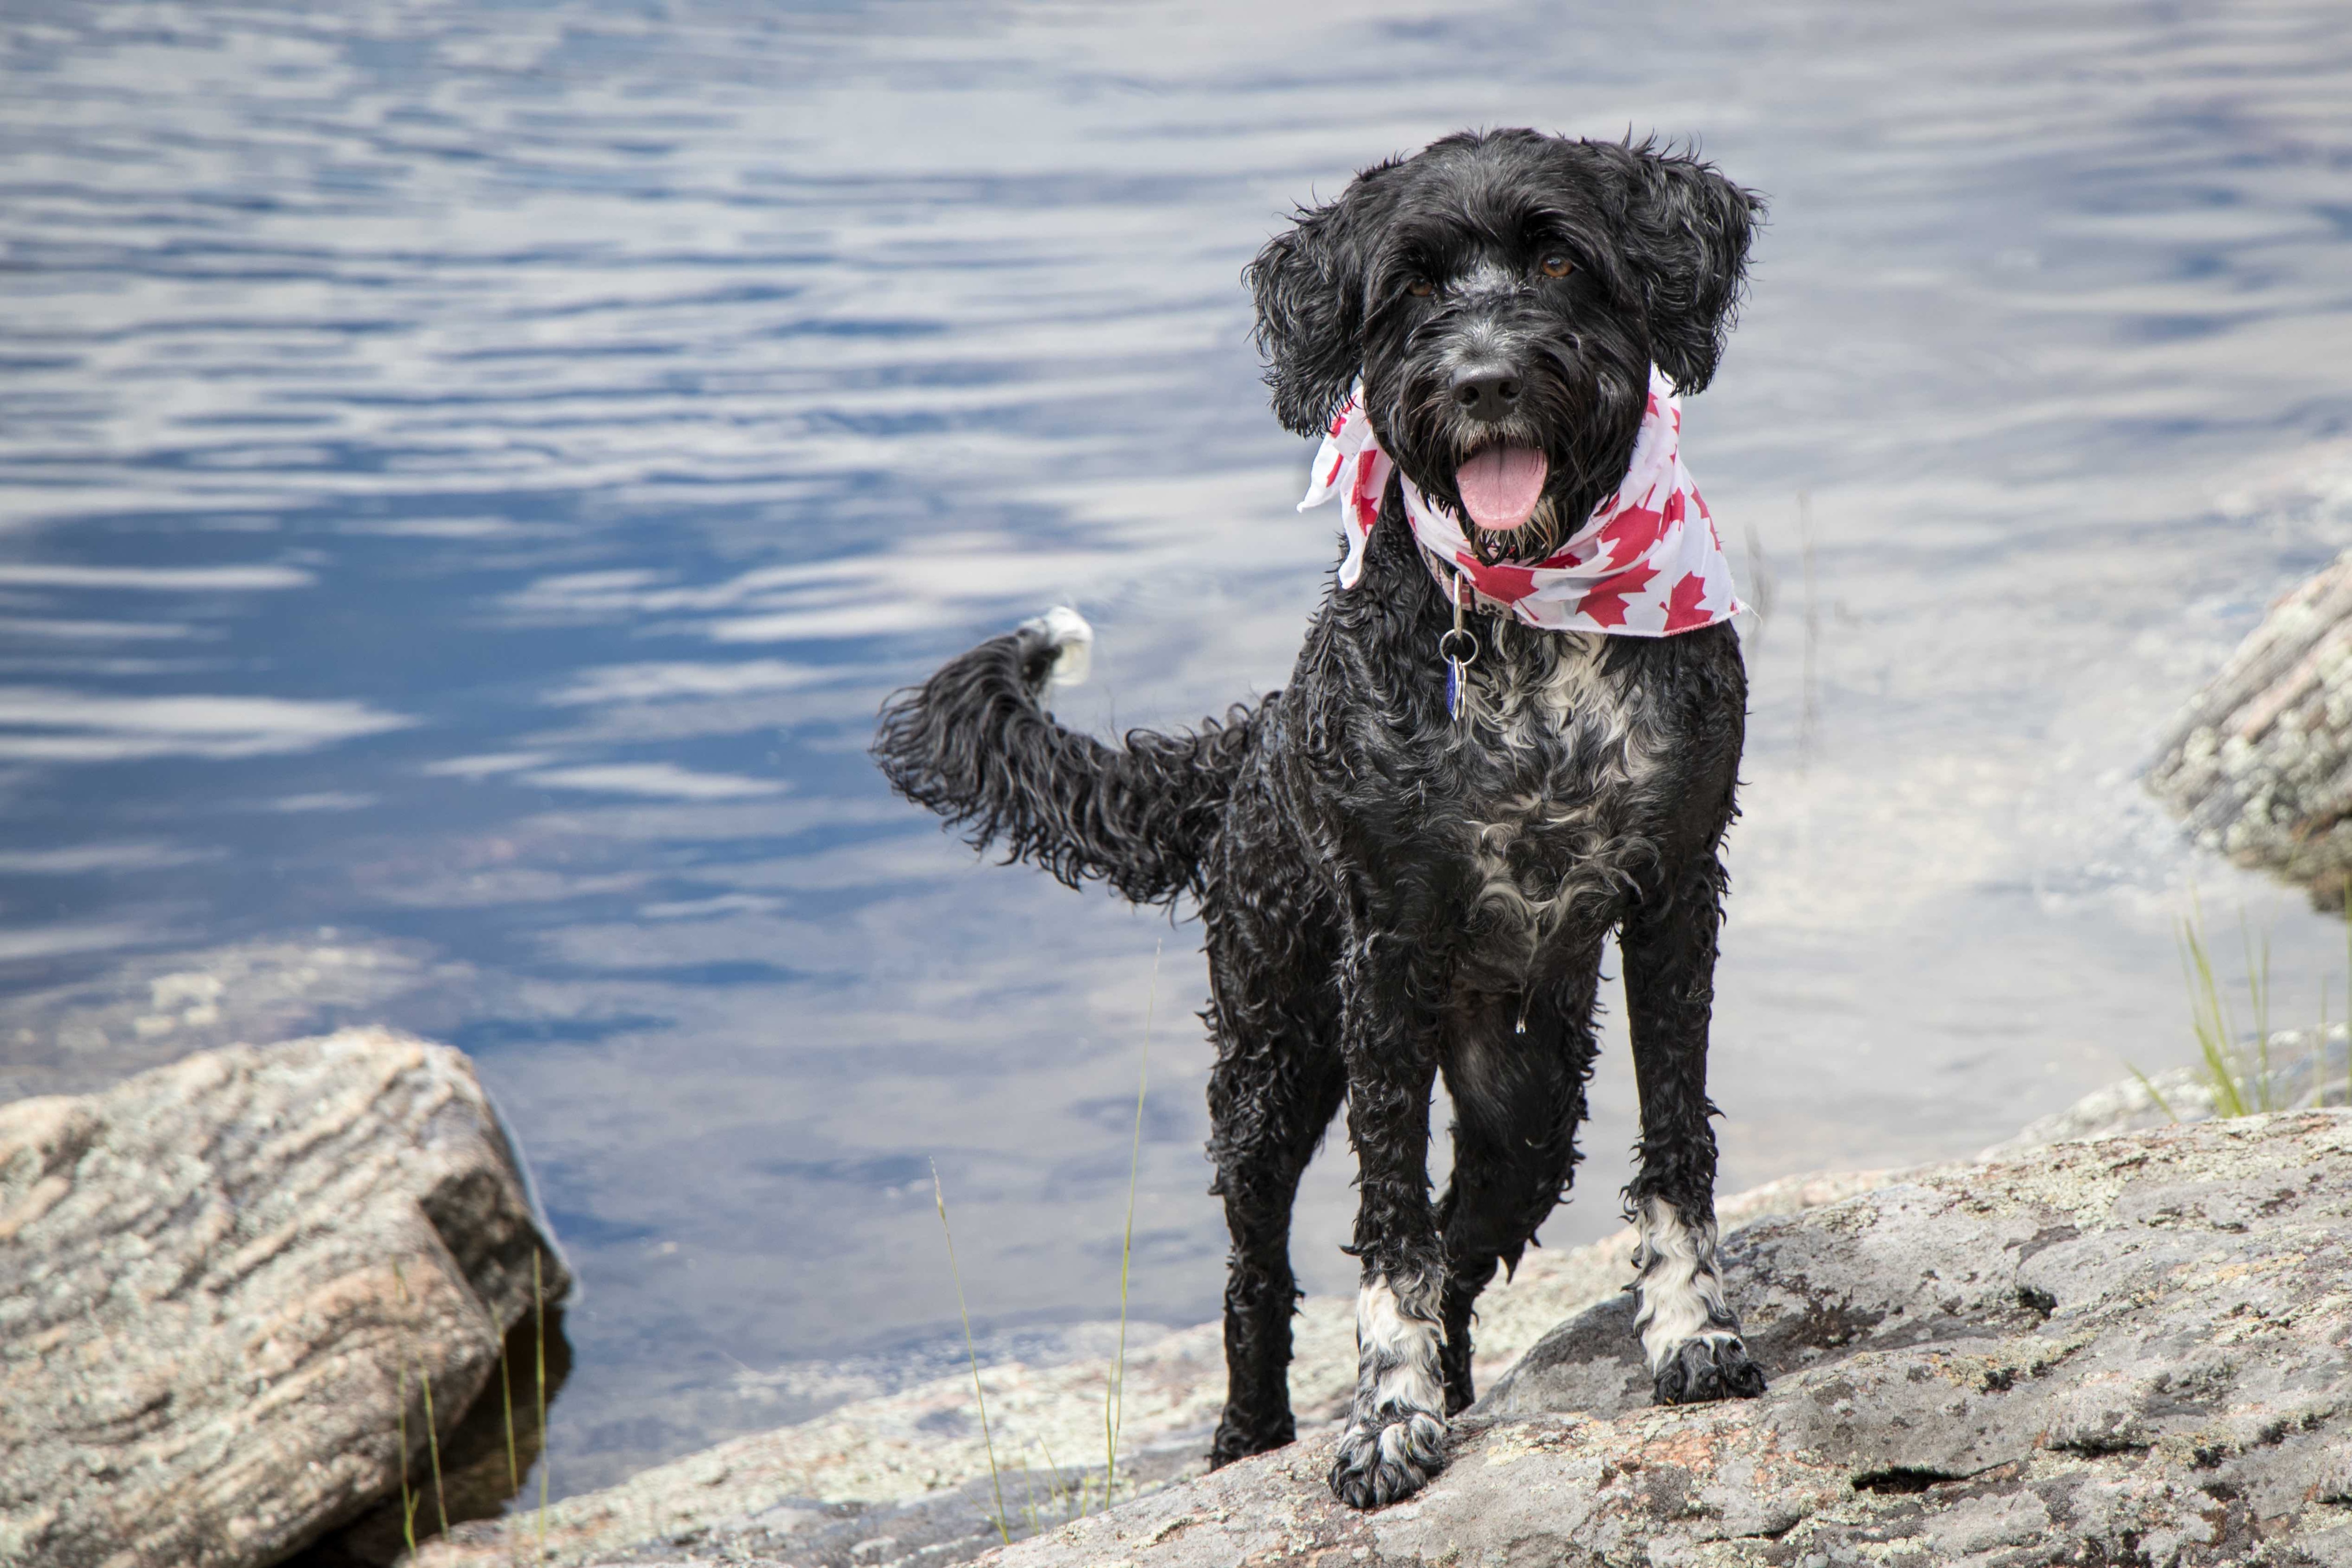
1647,563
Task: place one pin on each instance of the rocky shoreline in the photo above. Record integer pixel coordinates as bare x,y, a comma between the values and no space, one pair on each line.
224,1285
893,1450
2128,1349
2122,1351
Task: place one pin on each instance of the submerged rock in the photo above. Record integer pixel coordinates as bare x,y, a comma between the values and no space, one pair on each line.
2259,763
226,1284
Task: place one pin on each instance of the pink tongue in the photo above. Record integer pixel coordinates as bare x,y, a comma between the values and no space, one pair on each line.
1501,485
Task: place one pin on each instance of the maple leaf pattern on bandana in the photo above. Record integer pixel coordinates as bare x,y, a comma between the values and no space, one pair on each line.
1641,565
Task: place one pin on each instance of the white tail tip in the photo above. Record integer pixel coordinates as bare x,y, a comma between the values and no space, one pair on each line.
1073,641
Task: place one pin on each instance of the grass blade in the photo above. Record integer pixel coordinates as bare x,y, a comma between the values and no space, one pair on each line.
2319,1051
505,1399
2258,994
1115,1391
546,1451
1057,1489
971,1351
433,1447
408,1502
2209,1015
2152,1095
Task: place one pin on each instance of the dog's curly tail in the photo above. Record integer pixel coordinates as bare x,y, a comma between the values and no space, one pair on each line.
975,744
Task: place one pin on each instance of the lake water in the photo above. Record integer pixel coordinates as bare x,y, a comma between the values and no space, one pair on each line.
468,474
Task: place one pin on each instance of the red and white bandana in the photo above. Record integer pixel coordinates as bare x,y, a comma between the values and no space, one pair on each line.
1647,564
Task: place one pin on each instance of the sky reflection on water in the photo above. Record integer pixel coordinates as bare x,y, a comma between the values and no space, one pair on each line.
468,474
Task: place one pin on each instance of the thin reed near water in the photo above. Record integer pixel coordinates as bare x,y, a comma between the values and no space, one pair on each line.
410,1498
2239,1075
1069,1503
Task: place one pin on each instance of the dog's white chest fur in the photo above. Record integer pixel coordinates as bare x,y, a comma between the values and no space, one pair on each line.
1536,688
1572,755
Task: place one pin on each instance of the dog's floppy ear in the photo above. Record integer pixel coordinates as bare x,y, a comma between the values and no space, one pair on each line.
1308,285
1688,230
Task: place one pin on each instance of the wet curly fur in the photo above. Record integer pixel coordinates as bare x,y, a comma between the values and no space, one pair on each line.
1389,895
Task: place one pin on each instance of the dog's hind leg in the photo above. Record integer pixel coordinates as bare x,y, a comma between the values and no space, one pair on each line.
1519,1099
1271,1096
1690,1336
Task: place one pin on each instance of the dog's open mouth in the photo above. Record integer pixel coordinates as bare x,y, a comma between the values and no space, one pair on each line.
1500,486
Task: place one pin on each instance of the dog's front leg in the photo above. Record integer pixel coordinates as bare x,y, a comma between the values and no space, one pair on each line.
1690,1335
1395,1438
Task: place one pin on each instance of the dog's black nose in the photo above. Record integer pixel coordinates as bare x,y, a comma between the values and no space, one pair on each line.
1486,394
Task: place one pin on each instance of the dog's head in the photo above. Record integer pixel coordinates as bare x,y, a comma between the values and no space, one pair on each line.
1503,296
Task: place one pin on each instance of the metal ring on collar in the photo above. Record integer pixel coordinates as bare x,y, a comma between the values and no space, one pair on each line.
1446,647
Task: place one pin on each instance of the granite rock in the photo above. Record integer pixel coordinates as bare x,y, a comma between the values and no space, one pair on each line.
2128,1349
2256,764
2125,1351
909,1467
227,1285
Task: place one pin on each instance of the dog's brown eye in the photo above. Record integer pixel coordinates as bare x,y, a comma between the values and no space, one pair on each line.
1557,267
1419,287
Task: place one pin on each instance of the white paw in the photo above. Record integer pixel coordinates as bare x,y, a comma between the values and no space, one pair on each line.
1681,1286
1714,1365
1378,1465
1073,641
1395,1438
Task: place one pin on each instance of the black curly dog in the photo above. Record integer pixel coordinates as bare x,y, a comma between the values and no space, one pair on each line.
1389,895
